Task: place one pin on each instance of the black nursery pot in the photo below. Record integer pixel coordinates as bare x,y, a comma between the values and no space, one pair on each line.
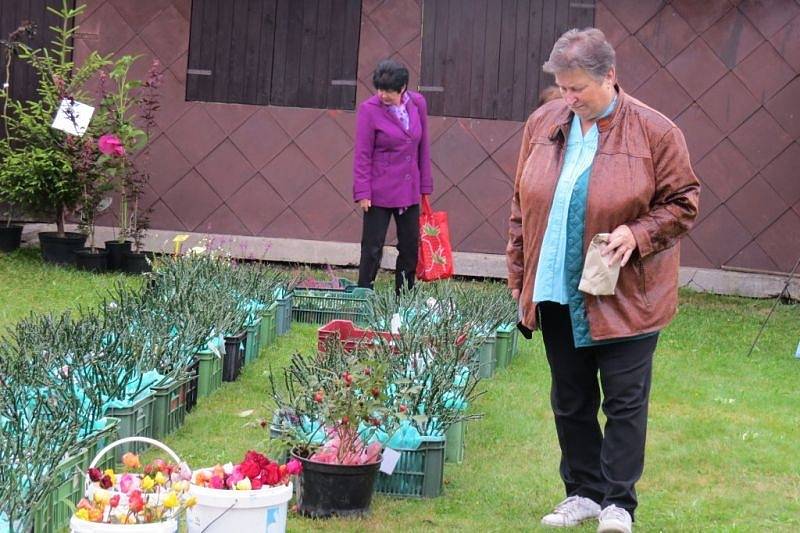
116,251
60,249
328,490
92,261
10,238
135,263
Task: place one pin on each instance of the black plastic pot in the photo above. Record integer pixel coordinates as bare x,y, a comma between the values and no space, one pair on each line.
116,251
91,260
60,249
10,237
135,263
328,490
233,361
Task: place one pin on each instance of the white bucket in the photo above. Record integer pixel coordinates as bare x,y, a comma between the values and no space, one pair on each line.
232,511
76,525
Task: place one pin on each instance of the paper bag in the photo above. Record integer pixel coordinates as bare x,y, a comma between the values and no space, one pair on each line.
598,277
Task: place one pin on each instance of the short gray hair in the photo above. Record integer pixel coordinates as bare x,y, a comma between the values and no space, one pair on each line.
586,49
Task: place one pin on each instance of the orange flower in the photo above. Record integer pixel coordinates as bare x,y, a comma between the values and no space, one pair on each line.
131,460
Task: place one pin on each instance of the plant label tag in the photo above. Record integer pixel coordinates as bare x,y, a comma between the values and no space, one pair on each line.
73,117
390,458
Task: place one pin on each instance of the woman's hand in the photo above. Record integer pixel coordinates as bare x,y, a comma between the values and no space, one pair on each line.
621,245
365,204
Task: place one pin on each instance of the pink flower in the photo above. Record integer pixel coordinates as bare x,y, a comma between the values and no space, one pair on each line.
128,482
186,473
216,482
110,144
294,467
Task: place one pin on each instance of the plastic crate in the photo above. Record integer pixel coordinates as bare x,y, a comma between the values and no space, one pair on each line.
455,442
251,346
350,336
515,343
209,372
134,421
169,407
98,440
503,346
53,512
192,385
234,356
268,322
418,474
485,355
316,306
283,319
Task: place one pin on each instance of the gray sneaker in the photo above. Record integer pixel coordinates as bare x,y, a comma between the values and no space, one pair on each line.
571,512
614,519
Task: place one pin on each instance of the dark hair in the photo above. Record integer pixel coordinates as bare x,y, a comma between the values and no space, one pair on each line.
390,76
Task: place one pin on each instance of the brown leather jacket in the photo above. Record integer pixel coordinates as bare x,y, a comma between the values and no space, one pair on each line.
641,177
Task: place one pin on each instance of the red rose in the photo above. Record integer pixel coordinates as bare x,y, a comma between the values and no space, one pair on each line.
114,501
256,484
105,482
273,476
95,474
250,469
135,501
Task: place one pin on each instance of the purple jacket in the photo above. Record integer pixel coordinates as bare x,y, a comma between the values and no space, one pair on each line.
391,166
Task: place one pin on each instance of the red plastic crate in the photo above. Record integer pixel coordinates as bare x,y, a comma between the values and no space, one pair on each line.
350,336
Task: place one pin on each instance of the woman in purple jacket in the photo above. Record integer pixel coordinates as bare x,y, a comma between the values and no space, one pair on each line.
391,171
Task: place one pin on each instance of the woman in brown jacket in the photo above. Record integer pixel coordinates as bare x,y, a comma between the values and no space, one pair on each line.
598,161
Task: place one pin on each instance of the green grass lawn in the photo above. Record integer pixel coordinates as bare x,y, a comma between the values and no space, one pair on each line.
722,449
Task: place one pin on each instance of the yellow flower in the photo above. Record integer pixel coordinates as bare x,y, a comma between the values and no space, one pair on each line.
147,483
102,496
171,501
83,514
110,473
191,502
160,478
244,484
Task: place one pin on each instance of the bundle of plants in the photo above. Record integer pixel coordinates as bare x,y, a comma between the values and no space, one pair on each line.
333,413
435,332
40,422
77,352
332,406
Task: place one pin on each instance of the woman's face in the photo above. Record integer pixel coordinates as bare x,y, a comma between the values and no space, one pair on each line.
390,97
586,96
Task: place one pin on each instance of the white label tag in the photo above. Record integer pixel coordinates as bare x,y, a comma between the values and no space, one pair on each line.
73,117
390,458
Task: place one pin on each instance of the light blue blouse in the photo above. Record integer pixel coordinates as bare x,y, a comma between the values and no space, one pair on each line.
550,284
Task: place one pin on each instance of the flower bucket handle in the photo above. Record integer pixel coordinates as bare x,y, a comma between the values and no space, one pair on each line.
126,440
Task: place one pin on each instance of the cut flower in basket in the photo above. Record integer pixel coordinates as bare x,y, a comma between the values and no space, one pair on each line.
255,472
155,492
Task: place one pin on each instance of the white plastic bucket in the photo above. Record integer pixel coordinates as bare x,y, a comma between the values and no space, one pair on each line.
231,511
76,525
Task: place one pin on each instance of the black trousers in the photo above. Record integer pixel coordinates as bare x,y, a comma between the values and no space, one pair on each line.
601,465
373,236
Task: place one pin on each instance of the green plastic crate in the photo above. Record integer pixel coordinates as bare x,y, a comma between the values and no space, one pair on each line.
209,373
515,343
99,440
486,357
134,421
252,345
503,346
53,512
418,474
317,306
169,407
283,319
454,442
268,334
